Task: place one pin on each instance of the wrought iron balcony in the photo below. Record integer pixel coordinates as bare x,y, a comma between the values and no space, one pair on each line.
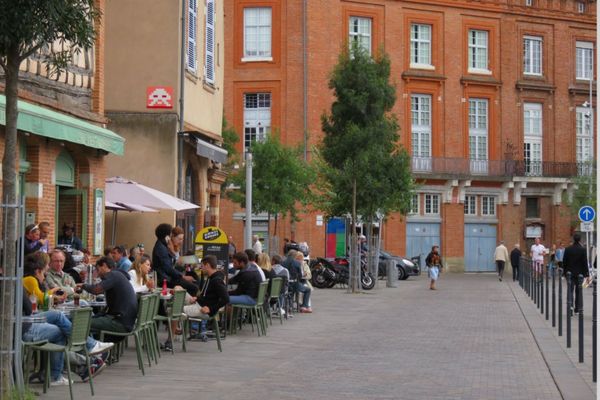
439,167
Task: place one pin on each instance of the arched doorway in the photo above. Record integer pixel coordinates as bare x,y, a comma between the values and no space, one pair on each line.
71,203
190,193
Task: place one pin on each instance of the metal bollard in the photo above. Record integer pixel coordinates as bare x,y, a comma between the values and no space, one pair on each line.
569,299
533,278
594,334
547,294
541,299
560,301
554,297
580,308
392,274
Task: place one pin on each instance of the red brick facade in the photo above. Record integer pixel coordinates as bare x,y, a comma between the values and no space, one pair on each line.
451,84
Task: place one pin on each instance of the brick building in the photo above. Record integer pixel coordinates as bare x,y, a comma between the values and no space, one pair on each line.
492,99
63,141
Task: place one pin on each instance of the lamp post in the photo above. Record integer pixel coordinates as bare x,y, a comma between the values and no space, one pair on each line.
248,227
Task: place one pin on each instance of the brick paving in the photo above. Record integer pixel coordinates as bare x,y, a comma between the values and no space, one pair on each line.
468,340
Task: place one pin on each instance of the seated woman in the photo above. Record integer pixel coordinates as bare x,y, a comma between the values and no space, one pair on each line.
140,280
34,280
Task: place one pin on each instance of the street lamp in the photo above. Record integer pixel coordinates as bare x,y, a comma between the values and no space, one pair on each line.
248,227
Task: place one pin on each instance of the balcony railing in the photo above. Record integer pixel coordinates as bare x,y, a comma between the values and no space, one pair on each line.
465,167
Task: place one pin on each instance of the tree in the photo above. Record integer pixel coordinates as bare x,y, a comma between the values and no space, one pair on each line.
585,194
27,26
280,179
368,172
230,138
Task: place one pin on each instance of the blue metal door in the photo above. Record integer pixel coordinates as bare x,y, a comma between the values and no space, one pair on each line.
420,237
480,244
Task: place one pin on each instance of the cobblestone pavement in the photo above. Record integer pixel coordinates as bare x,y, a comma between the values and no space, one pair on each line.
468,340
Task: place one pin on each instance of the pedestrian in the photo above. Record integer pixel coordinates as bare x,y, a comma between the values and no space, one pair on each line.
501,257
575,261
515,260
538,251
256,244
435,266
560,253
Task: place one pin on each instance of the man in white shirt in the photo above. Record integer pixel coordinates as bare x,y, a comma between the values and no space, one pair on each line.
538,251
257,245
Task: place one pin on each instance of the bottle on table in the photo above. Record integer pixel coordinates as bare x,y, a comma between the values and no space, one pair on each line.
33,300
164,287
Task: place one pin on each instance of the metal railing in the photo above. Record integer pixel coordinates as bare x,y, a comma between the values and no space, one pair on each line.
465,167
535,280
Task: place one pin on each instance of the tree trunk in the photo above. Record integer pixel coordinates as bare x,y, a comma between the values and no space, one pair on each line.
9,198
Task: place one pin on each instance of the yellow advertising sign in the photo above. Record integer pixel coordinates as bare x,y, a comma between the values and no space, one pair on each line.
212,240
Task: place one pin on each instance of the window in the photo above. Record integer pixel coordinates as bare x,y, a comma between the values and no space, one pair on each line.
257,117
257,33
488,206
421,131
432,204
420,45
532,131
414,204
528,3
360,33
478,135
584,56
580,7
470,205
531,208
478,51
532,55
584,146
209,56
192,34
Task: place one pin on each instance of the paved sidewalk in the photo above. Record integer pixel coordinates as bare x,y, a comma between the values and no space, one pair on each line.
467,340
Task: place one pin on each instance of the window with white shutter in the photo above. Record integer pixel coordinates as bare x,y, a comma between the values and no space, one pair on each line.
192,34
209,54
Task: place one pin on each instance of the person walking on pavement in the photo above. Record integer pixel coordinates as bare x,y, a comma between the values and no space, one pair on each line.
515,261
538,251
560,253
575,261
501,257
256,244
434,264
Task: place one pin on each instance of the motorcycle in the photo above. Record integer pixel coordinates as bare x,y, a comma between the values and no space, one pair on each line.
327,274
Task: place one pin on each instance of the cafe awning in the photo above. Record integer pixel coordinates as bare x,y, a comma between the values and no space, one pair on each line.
42,121
210,151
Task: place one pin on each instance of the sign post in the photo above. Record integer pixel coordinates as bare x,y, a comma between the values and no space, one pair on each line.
587,214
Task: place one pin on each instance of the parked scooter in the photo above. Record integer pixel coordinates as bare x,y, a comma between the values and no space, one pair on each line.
328,273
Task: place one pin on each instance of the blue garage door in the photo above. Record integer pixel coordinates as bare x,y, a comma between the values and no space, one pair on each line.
419,239
480,243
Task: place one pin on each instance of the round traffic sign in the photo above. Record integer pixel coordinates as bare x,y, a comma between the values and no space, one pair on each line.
587,214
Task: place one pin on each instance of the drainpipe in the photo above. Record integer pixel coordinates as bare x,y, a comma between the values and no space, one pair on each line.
181,104
305,76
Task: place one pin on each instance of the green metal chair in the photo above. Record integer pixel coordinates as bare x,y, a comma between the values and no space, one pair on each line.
175,313
276,285
28,350
257,311
81,320
151,329
215,325
137,332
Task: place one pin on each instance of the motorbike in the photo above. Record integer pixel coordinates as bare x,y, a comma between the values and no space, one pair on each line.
328,273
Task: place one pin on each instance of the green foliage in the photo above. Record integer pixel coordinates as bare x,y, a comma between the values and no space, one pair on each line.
230,138
29,25
360,144
585,194
280,178
16,394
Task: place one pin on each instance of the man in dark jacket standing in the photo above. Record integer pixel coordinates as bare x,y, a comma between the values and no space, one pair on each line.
575,262
515,261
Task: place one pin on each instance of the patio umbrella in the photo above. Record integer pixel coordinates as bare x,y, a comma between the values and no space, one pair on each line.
115,207
124,191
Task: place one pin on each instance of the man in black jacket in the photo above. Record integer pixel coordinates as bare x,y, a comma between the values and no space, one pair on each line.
247,281
575,262
213,294
515,261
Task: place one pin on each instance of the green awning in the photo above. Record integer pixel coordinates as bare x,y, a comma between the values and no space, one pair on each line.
45,122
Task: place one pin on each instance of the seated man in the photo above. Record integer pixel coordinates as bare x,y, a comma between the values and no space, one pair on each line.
56,277
32,239
213,295
119,254
121,300
295,269
68,238
247,281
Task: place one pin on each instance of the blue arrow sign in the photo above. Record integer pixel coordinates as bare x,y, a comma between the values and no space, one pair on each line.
587,214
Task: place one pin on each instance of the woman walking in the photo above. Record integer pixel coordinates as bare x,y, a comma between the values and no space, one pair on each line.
434,263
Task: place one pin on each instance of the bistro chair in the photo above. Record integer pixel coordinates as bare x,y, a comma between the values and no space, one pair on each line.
256,312
215,326
276,285
175,313
137,332
81,319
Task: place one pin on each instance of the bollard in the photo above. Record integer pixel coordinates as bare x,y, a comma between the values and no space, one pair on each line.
541,299
569,299
534,283
560,272
547,293
392,274
580,309
554,297
594,334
